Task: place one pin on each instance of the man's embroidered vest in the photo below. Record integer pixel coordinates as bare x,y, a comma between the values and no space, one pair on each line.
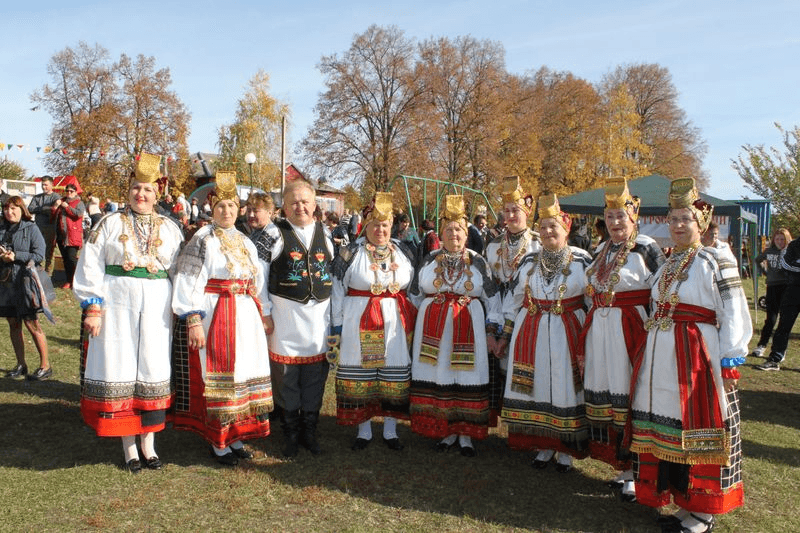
299,274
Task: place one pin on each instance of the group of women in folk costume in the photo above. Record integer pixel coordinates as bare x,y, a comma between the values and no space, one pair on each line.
130,280
645,381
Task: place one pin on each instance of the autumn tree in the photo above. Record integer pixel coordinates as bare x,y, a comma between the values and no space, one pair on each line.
462,81
774,173
11,170
568,118
104,113
364,116
623,151
257,130
676,146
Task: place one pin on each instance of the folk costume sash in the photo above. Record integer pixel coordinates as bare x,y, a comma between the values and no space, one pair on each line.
525,346
704,435
220,391
632,330
463,354
373,341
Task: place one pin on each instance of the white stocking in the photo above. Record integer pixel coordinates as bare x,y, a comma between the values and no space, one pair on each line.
389,428
129,447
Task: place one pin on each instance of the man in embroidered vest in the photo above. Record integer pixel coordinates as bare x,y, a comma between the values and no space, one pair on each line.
298,315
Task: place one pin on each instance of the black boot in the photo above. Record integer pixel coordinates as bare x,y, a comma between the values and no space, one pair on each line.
290,423
308,436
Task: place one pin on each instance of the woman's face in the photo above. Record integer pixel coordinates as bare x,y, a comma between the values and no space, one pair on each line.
516,219
683,227
780,241
13,213
553,234
142,197
225,212
454,237
258,216
618,224
379,231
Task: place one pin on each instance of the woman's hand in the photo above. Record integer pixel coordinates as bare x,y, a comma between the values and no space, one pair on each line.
500,348
8,256
197,338
269,325
730,384
92,325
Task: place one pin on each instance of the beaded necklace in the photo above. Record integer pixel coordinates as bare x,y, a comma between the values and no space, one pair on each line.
607,268
378,256
232,246
506,262
675,269
145,231
558,261
450,267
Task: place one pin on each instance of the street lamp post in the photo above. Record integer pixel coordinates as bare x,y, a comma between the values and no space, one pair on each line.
250,159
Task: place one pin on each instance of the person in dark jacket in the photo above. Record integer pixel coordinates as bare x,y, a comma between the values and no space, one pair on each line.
43,207
21,242
789,309
776,285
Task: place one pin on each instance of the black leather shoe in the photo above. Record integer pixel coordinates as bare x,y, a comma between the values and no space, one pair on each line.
393,444
153,463
360,444
538,463
563,469
615,484
242,453
41,374
19,372
468,451
229,459
133,466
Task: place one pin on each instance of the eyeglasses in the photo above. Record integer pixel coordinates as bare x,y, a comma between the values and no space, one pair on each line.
680,220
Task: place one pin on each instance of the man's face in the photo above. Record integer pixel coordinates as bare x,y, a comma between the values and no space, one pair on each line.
71,191
299,206
47,186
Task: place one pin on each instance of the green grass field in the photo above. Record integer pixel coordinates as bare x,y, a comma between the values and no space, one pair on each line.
56,475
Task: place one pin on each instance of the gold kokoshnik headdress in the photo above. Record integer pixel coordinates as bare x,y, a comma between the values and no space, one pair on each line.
683,195
147,169
550,208
225,188
619,197
514,194
379,209
454,210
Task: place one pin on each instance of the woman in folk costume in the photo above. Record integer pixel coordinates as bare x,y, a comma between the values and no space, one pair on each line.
543,402
122,284
223,388
685,406
449,369
613,337
375,319
504,254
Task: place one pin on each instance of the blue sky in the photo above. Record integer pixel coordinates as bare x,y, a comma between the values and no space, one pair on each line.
735,64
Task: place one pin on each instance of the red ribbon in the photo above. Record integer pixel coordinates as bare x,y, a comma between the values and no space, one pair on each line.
221,345
436,313
525,347
372,317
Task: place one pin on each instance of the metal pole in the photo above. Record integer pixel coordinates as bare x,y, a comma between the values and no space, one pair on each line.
283,156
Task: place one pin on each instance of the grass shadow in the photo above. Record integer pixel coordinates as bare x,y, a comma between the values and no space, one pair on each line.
462,486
